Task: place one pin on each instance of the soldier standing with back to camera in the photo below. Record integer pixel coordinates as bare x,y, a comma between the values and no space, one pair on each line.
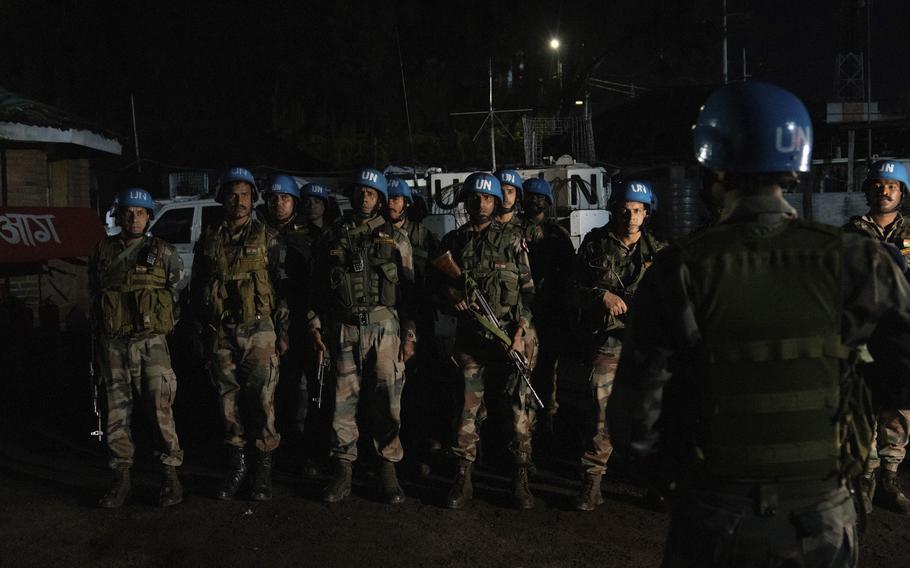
135,280
364,272
738,359
611,262
886,188
235,271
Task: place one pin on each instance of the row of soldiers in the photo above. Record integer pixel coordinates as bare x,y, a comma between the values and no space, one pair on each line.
361,291
738,348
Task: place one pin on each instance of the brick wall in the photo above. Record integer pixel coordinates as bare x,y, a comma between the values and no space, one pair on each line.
33,181
70,183
27,177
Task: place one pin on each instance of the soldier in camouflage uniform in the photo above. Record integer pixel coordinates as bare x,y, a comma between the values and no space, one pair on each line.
551,253
494,256
365,269
245,321
135,280
886,187
738,358
424,402
610,264
298,234
315,201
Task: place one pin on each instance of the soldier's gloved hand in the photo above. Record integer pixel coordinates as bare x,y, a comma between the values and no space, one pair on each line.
614,304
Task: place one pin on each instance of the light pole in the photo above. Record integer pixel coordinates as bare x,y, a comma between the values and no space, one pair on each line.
554,45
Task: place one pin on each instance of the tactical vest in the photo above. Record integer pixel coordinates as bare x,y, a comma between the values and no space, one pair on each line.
769,309
238,288
363,273
134,296
605,273
489,260
417,234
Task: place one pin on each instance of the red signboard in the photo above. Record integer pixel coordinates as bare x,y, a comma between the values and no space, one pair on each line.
38,234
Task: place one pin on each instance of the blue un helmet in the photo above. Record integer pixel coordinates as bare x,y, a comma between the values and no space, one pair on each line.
232,175
400,188
283,183
753,127
136,197
537,186
483,183
513,178
887,170
636,190
373,179
315,190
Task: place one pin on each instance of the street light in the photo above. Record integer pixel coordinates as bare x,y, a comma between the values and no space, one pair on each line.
554,45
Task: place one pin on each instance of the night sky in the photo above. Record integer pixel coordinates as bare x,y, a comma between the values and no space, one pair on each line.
308,85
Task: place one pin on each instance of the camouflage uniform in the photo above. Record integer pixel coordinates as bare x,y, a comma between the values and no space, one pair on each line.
732,379
134,290
424,399
890,444
365,272
497,259
297,239
233,295
604,263
550,252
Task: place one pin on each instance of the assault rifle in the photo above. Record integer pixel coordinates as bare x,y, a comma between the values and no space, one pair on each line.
93,379
320,376
483,313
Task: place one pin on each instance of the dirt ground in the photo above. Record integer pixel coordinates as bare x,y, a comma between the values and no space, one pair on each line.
52,473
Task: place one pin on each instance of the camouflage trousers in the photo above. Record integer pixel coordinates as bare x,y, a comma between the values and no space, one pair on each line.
488,384
598,446
244,370
139,369
709,529
366,358
889,444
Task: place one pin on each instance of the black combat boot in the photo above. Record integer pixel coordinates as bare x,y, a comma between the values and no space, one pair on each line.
120,489
171,492
521,493
262,478
231,483
391,490
462,489
890,495
589,497
340,486
867,491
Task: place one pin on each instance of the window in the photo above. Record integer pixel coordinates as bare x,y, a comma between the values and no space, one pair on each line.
175,226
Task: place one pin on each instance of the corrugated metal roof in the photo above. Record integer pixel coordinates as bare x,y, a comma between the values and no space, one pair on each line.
17,109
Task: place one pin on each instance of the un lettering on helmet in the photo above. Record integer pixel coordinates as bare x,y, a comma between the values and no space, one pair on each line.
791,137
483,185
369,176
888,167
